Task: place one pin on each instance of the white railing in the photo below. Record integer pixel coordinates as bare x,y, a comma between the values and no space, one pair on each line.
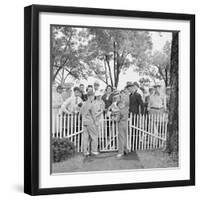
108,134
143,132
68,126
147,131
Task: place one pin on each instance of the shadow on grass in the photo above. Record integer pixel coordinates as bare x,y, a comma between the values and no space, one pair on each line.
131,156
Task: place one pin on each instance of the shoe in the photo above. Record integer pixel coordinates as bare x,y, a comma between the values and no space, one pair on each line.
95,153
86,154
119,155
126,152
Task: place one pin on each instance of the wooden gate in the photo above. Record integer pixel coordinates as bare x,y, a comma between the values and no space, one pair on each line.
108,134
143,131
147,131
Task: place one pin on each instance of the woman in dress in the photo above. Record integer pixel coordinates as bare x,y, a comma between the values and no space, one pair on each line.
108,97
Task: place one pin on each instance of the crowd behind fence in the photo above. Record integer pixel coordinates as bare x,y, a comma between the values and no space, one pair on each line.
144,132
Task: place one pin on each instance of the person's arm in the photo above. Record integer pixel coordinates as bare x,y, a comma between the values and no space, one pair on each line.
127,100
164,103
148,103
130,100
140,102
65,105
79,105
103,106
83,108
92,111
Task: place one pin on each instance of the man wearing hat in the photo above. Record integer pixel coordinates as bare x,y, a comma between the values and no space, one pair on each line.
59,89
96,88
157,102
67,92
99,105
72,104
90,133
114,109
123,105
83,94
136,105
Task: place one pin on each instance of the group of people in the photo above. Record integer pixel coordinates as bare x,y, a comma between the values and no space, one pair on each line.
93,103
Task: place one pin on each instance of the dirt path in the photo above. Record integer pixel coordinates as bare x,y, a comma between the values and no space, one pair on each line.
104,161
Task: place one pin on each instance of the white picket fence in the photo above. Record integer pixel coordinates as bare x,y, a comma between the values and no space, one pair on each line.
143,132
147,131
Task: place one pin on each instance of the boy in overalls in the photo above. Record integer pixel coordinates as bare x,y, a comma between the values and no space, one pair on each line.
123,105
90,133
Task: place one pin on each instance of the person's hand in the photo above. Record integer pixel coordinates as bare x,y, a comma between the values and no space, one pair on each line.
96,124
66,112
60,112
80,104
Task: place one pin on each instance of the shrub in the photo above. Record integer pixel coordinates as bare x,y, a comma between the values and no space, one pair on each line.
62,149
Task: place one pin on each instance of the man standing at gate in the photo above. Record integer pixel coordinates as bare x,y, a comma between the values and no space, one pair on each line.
90,132
72,105
136,105
123,123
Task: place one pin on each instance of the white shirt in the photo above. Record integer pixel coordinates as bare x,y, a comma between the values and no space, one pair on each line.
157,101
56,100
71,105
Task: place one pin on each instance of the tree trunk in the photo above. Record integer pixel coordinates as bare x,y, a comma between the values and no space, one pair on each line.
172,136
166,78
109,68
56,73
106,75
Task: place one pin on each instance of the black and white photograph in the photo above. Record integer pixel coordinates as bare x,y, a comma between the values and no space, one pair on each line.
109,100
98,100
114,99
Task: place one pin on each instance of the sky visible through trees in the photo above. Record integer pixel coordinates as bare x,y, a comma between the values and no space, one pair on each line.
111,56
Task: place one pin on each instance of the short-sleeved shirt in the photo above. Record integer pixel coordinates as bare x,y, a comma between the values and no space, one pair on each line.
88,113
56,100
99,106
157,101
124,110
72,104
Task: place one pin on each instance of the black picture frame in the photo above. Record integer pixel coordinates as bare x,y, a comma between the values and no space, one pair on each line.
31,98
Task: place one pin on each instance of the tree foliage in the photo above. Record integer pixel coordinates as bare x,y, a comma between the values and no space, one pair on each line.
158,64
65,55
111,51
105,54
162,61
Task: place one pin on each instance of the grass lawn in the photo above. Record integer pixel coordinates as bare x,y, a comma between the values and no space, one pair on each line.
108,161
156,159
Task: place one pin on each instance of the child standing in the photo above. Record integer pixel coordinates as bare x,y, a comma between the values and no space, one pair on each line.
89,125
99,106
123,105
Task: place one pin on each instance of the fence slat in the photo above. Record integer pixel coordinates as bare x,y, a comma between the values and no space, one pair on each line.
133,134
145,127
53,125
166,122
57,125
